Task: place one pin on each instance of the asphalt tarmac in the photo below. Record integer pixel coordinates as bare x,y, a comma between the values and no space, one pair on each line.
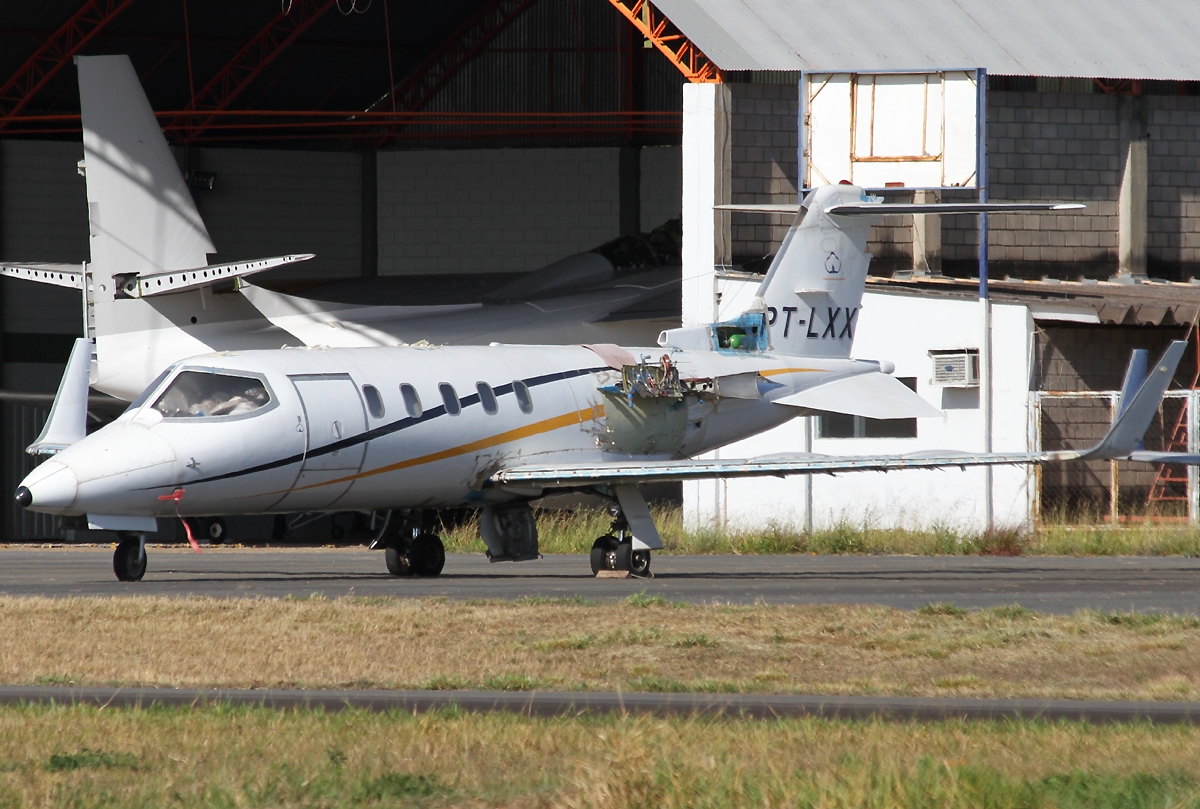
573,703
1047,584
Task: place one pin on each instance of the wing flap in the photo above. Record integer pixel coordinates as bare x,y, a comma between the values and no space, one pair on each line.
873,395
621,472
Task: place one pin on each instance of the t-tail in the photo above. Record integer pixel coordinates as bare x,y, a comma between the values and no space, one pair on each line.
148,292
811,297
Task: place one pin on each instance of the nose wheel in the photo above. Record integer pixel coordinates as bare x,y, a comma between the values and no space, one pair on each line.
129,559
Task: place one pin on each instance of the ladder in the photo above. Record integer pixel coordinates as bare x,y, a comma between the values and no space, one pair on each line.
1171,480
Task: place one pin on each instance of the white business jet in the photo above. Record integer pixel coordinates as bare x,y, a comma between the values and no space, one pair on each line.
150,297
415,429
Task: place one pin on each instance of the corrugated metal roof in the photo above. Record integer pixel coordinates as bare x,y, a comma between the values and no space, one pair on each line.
1150,39
1150,304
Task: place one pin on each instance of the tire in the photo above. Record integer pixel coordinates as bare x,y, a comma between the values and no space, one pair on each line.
639,563
624,558
397,562
129,562
427,554
601,548
214,529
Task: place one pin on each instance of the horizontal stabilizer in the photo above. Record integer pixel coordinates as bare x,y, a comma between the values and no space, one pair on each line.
879,208
873,395
60,275
164,283
1166,457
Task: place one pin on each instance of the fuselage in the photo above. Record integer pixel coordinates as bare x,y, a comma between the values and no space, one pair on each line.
392,427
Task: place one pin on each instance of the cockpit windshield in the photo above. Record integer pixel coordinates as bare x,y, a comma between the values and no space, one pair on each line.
204,394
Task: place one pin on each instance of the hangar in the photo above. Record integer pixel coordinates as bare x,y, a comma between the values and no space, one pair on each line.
487,139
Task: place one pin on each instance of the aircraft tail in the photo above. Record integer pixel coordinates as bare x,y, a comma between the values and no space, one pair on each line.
812,293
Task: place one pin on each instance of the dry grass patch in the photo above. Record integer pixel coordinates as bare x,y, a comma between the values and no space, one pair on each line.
642,644
80,757
1060,535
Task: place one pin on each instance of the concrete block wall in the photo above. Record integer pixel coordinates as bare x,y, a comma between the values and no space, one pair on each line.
1173,192
662,185
498,210
271,202
764,168
1047,146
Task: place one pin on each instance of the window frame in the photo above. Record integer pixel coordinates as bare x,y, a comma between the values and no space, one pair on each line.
449,394
480,387
377,394
414,404
204,369
523,396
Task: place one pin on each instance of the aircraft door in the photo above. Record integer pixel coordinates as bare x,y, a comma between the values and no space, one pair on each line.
334,416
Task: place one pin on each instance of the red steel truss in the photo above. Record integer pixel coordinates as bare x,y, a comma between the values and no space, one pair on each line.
670,41
54,53
273,125
245,66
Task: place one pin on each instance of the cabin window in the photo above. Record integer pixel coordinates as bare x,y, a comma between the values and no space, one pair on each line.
841,425
450,398
204,394
487,398
524,401
374,401
149,391
412,402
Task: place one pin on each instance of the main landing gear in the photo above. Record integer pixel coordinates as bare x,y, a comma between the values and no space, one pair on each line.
129,559
410,546
615,551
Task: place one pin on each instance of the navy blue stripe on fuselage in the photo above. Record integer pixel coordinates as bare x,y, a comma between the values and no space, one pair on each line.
398,425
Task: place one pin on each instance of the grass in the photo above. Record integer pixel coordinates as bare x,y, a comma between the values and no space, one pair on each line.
575,531
241,757
642,644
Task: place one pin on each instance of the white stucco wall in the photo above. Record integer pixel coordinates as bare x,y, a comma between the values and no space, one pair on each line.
900,328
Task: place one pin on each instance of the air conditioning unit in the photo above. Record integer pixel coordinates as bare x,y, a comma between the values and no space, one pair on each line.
955,368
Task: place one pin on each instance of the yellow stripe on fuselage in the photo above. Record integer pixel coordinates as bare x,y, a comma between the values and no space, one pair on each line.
537,428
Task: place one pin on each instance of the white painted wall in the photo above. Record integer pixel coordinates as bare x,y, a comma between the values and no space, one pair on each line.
900,328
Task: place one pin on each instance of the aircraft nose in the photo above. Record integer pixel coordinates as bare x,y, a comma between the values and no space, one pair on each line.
50,487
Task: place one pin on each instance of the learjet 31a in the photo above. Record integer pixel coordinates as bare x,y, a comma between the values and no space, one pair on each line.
410,430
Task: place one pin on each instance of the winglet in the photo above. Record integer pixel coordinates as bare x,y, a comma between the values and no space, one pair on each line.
1136,412
68,415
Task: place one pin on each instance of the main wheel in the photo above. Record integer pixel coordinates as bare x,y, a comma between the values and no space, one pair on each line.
427,555
639,563
603,550
129,559
397,562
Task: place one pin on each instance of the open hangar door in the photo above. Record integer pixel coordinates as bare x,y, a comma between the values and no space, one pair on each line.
876,130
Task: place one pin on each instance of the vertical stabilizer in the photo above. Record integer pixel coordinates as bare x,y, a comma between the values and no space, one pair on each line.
813,290
142,216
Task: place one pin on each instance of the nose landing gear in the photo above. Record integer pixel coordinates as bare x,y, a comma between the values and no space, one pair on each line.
129,559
